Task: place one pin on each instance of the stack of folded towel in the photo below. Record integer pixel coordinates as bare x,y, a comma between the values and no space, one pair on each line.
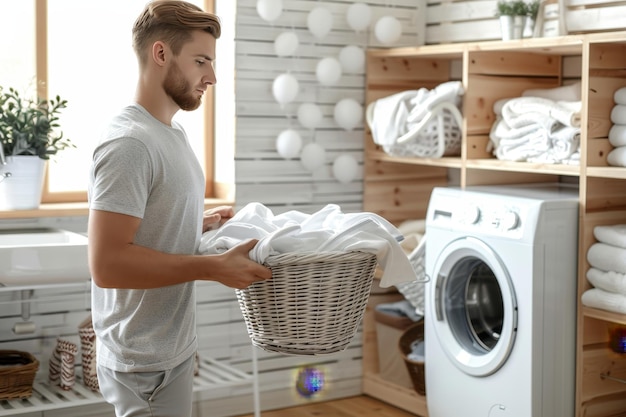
607,274
543,125
617,134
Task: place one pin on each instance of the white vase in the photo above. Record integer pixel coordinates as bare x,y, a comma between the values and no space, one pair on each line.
519,23
506,26
21,182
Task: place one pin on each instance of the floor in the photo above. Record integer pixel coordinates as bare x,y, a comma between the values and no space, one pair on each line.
361,406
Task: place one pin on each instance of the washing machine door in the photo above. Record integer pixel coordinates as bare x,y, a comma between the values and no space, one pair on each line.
474,306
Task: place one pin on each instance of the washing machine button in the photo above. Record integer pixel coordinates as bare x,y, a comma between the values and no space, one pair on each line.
510,220
469,214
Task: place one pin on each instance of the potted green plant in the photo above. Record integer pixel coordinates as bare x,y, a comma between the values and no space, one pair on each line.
29,135
512,16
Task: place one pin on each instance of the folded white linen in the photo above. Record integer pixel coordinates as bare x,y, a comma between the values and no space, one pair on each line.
607,257
566,93
326,230
613,234
617,135
617,157
604,300
618,114
537,109
620,96
610,281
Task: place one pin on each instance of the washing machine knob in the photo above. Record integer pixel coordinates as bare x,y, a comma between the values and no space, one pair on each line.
510,220
470,214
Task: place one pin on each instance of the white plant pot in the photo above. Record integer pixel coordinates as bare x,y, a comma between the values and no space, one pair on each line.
506,26
519,23
21,182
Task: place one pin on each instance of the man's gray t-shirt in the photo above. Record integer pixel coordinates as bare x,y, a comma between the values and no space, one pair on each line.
146,169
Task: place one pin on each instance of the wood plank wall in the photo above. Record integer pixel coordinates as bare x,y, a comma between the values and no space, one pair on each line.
262,175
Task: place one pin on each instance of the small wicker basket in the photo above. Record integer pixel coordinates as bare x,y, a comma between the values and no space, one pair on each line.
313,304
415,368
17,373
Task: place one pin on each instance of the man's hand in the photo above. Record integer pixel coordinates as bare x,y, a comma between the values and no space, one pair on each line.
215,217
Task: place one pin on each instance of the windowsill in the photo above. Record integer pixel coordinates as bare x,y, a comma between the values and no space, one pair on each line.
81,209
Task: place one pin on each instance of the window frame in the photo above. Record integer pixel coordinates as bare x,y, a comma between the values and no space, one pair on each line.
41,70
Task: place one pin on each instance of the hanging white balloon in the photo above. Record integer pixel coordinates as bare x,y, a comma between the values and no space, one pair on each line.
345,168
286,44
289,143
328,71
269,10
348,113
285,88
359,16
313,156
310,115
388,30
352,59
320,22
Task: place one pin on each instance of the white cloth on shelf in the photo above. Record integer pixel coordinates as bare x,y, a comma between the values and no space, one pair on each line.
613,234
620,96
618,114
529,108
610,281
617,135
604,300
563,93
607,257
617,157
326,230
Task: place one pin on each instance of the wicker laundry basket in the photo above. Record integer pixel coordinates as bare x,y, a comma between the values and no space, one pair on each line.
415,368
313,304
17,373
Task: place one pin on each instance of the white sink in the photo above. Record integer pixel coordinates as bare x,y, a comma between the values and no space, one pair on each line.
42,256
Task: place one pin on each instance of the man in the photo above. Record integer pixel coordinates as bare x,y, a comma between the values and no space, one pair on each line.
146,199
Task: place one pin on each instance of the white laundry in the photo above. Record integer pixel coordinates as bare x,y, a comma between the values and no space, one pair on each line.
620,96
617,135
618,114
563,93
614,234
324,231
610,281
604,300
607,257
617,157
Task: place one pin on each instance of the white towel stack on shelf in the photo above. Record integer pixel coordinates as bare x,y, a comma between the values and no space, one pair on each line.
617,134
607,274
543,125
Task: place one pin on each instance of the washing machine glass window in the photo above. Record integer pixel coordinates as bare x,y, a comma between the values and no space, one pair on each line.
475,307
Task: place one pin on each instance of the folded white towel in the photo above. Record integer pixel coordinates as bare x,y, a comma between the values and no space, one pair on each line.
610,281
567,113
567,92
607,257
614,234
620,96
326,230
617,135
618,114
617,157
604,300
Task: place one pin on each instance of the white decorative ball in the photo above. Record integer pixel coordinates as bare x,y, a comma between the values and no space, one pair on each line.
310,115
289,143
348,113
345,168
285,88
319,21
388,30
359,16
352,59
286,44
269,10
313,156
328,71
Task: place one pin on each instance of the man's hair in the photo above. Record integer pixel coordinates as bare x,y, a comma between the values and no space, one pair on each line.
171,21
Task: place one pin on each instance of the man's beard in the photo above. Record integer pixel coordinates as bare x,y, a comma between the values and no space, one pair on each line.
177,87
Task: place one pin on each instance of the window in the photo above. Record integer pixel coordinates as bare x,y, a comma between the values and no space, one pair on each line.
82,51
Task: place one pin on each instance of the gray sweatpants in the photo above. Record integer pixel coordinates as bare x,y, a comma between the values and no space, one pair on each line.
149,394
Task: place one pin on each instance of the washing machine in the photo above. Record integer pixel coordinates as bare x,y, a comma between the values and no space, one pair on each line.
500,301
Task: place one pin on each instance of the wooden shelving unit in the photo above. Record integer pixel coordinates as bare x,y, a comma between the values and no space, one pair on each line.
399,188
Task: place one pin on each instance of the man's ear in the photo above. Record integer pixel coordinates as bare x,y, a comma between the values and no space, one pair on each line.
159,52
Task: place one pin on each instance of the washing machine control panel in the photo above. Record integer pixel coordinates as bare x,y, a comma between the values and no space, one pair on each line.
487,216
